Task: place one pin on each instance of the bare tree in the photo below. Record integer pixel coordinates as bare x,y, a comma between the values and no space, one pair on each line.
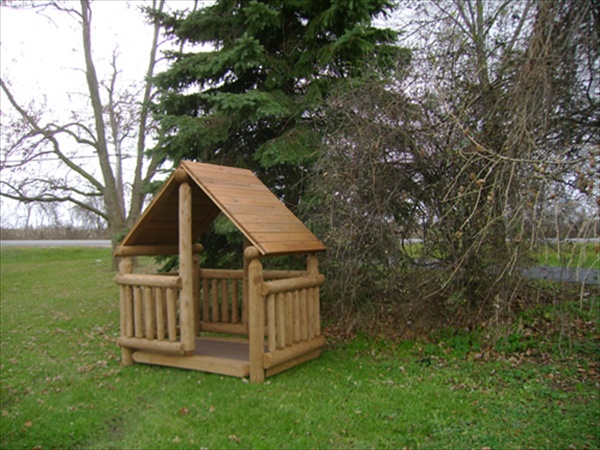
513,91
115,128
481,150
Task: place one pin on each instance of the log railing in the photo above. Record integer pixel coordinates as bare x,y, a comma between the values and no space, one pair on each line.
222,309
277,310
150,312
292,317
287,312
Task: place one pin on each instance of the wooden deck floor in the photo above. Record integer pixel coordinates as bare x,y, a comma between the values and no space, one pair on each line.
230,356
226,356
228,348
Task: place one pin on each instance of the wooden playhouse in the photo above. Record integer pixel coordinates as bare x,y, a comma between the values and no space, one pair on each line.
248,322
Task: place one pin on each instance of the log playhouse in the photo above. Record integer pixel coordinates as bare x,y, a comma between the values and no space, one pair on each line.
248,322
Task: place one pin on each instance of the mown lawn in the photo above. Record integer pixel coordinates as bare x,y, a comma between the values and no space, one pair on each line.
62,386
570,254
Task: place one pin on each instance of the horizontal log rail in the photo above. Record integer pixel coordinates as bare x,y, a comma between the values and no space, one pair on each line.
151,345
278,357
239,274
291,284
222,274
152,250
280,274
147,280
220,327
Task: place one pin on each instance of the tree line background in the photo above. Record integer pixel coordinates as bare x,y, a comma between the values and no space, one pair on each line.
470,125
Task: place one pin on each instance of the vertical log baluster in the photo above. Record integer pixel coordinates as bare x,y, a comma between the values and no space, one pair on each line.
272,331
129,311
159,299
280,319
172,314
149,323
137,312
303,316
205,300
235,317
214,291
296,315
224,301
289,319
196,275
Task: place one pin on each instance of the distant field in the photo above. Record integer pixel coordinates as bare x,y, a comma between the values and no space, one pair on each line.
570,254
62,386
584,255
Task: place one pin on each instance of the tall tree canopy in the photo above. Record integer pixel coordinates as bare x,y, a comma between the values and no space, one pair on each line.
249,90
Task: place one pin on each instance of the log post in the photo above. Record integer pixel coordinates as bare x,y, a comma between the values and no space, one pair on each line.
125,267
186,269
159,299
312,267
247,244
137,312
214,291
271,323
256,319
205,299
234,301
172,314
149,322
224,301
196,264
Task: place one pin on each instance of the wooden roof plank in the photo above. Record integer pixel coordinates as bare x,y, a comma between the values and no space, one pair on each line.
237,193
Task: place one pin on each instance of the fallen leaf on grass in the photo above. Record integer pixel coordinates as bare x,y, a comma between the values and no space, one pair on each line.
233,437
184,411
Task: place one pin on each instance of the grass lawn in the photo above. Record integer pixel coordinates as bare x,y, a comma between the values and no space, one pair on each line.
554,254
570,254
62,386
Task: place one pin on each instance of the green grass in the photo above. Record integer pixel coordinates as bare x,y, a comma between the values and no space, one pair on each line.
62,386
567,254
570,254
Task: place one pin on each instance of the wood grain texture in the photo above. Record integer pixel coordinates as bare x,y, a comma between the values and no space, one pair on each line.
237,193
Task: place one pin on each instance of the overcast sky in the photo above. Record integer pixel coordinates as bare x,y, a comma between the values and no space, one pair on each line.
41,58
41,50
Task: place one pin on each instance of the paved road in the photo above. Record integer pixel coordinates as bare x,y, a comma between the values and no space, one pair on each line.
566,275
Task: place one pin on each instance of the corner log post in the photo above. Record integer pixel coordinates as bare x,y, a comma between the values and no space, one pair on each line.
186,266
126,267
256,318
312,267
245,278
196,265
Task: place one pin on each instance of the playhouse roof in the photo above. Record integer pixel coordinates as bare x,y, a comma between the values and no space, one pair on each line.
260,216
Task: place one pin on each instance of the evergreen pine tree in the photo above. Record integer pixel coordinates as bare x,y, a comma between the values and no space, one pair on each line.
250,89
